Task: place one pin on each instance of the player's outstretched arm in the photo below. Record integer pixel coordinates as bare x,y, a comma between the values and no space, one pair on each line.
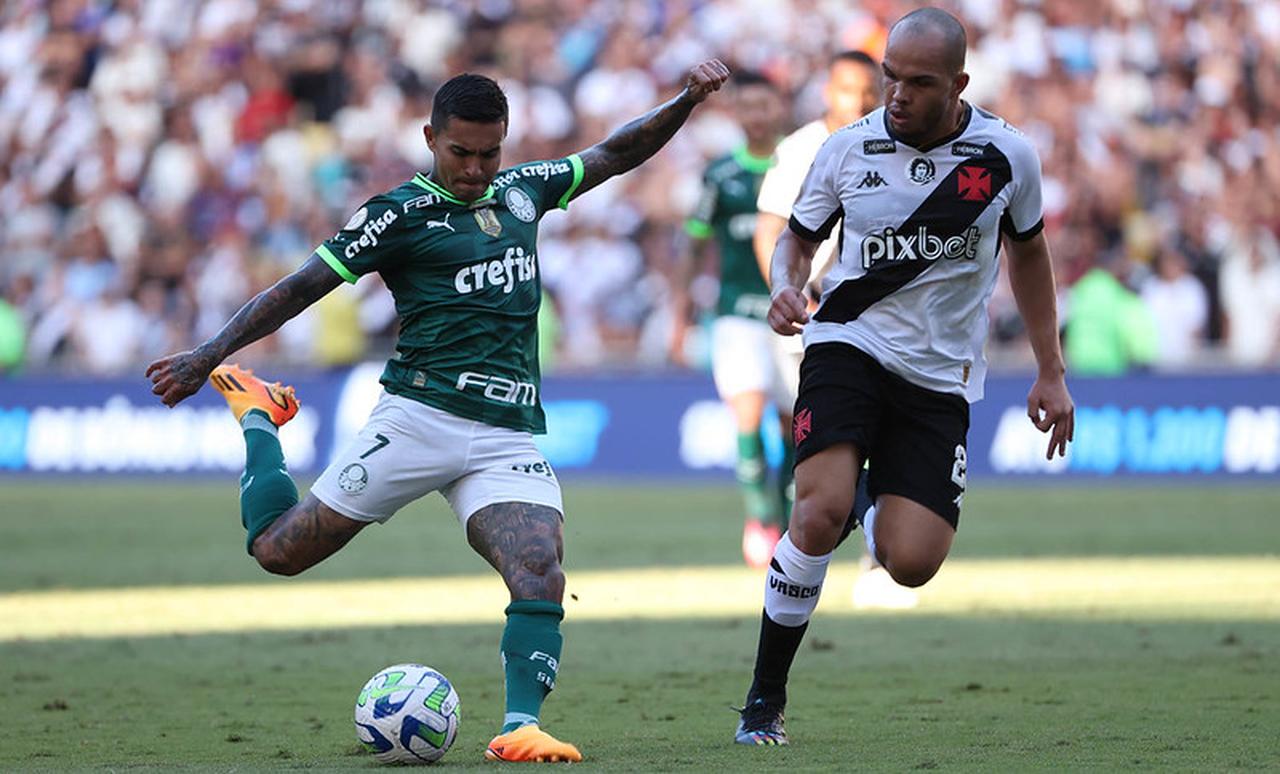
642,137
177,377
789,270
1049,403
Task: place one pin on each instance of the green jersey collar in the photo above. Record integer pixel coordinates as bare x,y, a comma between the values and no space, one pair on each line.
429,184
755,164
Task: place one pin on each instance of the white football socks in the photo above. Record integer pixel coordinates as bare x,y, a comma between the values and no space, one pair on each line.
793,584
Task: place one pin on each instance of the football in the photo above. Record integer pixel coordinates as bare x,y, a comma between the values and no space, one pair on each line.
407,713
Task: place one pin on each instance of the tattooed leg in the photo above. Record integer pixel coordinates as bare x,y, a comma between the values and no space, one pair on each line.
305,535
525,544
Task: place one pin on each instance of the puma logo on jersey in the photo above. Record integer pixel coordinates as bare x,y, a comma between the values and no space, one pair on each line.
889,245
441,223
515,266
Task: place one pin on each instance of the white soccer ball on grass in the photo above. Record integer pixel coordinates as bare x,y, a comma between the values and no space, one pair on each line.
407,713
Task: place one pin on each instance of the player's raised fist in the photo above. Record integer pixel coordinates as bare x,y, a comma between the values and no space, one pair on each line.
705,78
177,377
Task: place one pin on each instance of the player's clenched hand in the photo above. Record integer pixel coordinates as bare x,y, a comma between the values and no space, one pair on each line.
1051,410
705,78
788,311
177,377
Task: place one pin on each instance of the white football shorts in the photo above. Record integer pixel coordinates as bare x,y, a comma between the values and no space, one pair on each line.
787,352
408,449
741,359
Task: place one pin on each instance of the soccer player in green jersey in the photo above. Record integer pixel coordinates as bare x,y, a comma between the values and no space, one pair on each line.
458,250
741,340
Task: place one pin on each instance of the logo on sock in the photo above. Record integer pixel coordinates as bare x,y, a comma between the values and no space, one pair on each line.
795,590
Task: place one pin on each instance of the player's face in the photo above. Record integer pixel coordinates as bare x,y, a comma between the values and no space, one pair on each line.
468,155
852,91
919,88
759,111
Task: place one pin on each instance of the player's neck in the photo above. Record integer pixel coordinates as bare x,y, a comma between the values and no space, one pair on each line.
953,123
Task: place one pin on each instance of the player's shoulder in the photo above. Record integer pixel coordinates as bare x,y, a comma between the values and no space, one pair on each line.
863,137
539,171
721,168
388,209
994,129
804,141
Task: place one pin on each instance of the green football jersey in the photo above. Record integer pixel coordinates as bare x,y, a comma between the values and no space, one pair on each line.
465,281
727,211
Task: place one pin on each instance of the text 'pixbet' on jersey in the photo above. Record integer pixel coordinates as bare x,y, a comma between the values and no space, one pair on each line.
514,266
889,245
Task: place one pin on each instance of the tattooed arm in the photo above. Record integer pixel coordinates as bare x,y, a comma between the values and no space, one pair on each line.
642,137
177,377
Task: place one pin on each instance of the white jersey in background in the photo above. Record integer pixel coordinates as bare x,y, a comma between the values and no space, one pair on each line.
778,191
921,239
781,185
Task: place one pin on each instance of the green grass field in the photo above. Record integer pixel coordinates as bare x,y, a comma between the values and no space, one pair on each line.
1083,628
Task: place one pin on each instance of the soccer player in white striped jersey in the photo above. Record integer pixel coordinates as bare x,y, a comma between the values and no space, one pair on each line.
929,188
852,90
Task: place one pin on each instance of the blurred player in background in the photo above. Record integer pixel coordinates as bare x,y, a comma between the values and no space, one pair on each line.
928,187
852,90
741,362
457,250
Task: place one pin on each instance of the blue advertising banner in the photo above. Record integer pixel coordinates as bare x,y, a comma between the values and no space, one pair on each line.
649,426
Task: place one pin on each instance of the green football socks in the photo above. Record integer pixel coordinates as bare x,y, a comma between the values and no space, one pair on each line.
266,490
752,473
531,657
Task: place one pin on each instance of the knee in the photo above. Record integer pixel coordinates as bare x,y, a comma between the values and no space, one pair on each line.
273,560
817,523
910,568
537,575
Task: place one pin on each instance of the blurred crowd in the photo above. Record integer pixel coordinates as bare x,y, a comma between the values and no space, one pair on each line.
163,160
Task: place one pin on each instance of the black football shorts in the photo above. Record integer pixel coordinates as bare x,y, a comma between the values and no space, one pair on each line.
912,438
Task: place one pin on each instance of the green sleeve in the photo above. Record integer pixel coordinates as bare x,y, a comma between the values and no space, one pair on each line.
369,241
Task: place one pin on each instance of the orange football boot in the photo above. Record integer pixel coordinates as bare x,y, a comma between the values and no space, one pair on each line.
244,391
530,744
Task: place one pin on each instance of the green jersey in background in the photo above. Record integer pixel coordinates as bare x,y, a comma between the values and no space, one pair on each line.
727,211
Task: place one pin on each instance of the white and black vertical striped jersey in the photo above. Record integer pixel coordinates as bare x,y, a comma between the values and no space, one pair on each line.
920,242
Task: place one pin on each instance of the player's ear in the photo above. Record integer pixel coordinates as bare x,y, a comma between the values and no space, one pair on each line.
430,137
959,84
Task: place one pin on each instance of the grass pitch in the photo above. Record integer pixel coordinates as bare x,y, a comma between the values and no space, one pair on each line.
1071,629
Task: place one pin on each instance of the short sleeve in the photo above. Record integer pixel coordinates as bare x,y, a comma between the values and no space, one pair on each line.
818,207
698,225
369,241
551,183
1024,217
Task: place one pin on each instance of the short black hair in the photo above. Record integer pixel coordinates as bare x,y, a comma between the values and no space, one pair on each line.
856,57
471,97
742,78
